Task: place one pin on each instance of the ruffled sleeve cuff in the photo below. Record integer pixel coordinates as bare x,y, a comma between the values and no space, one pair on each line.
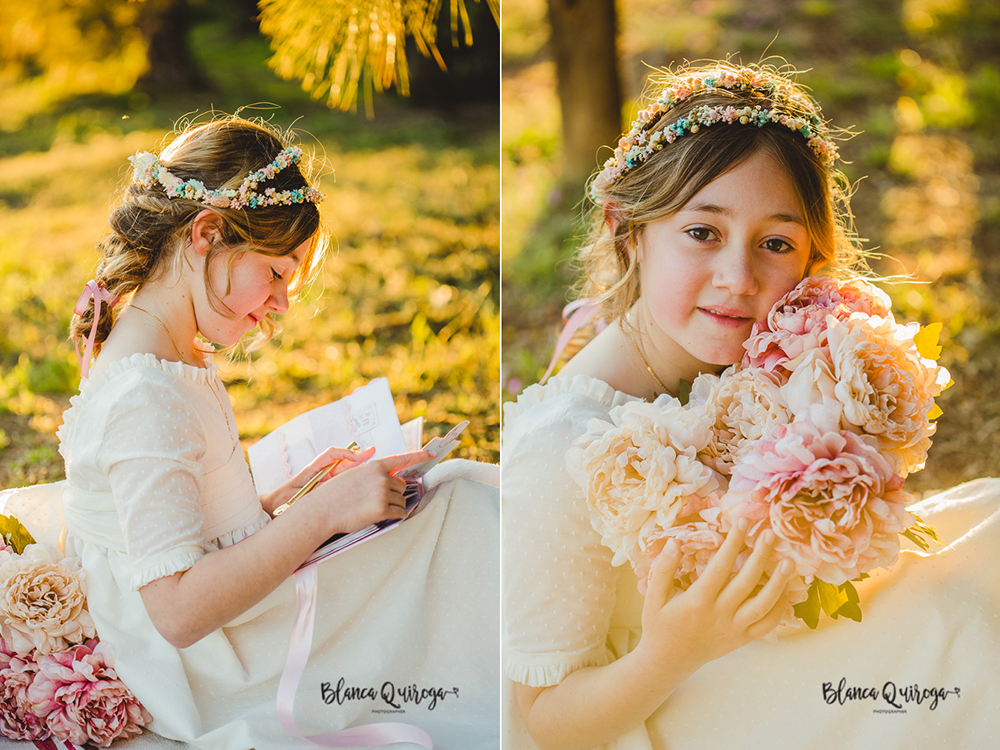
545,670
182,559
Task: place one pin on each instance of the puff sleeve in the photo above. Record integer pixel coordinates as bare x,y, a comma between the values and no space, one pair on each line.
559,584
155,472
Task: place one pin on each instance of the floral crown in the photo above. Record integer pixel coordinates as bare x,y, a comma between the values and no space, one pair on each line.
149,171
789,107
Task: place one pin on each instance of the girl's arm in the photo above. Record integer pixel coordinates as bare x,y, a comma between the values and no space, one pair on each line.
718,614
187,606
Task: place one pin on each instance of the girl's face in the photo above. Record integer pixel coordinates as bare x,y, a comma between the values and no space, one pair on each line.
258,284
710,270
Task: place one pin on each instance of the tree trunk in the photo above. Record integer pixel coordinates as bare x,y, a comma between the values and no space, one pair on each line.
164,24
584,44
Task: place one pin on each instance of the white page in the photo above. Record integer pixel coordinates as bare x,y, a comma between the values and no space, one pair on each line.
367,416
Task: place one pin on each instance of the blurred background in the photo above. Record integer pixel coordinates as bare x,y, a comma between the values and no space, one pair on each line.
919,80
410,291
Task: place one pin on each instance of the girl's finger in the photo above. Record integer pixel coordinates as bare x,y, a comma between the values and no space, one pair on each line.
392,464
345,460
720,569
758,606
749,576
661,575
394,512
770,621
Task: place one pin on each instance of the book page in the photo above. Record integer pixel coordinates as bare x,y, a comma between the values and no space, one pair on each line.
367,416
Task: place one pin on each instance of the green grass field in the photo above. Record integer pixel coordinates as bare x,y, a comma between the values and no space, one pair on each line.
410,291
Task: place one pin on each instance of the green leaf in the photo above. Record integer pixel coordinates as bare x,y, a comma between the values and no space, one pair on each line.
831,597
808,611
926,340
920,532
851,611
683,392
851,592
15,534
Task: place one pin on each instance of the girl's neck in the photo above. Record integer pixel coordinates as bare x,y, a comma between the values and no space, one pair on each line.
663,361
159,320
171,309
637,358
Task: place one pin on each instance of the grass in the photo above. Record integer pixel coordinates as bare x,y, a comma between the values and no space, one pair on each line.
410,292
919,82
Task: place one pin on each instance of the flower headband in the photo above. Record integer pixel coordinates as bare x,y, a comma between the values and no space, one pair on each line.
149,171
638,144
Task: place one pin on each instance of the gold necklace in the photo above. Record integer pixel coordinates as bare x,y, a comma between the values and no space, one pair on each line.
166,330
631,337
229,426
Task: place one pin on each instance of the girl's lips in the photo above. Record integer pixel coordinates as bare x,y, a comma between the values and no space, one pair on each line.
727,316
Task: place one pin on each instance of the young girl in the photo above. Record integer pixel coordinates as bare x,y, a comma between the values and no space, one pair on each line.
718,202
188,570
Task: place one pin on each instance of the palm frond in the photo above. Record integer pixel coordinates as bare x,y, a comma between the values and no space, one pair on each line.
336,47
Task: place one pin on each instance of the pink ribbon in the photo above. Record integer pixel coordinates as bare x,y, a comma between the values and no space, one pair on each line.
367,735
93,291
575,316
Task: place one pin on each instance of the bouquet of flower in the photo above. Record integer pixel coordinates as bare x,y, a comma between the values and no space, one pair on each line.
810,436
56,678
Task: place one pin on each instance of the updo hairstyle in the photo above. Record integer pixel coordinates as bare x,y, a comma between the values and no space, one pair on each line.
149,229
668,179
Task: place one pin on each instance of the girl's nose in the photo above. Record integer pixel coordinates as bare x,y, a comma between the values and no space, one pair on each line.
279,299
736,270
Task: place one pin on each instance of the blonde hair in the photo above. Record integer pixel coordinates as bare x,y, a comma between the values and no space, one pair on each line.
668,179
149,229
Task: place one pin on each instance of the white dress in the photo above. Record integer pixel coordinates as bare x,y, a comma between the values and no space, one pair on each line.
932,621
156,480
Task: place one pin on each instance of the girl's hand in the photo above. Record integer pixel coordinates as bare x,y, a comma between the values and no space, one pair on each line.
360,495
345,460
720,612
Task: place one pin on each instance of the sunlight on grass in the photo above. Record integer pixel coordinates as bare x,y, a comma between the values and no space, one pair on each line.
410,294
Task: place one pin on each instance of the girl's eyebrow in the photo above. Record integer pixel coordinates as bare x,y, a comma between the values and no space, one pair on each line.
723,211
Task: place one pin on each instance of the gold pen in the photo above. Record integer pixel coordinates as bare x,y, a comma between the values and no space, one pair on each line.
313,482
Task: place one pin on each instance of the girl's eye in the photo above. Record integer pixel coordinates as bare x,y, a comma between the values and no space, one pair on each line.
702,234
776,245
275,275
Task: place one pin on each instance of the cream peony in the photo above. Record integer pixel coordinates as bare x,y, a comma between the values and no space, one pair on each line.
640,472
833,502
43,602
740,407
886,387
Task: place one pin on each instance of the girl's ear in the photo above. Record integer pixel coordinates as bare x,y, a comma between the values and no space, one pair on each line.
612,215
206,230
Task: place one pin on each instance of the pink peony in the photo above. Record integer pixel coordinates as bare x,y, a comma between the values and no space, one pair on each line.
698,542
78,693
831,499
17,720
798,321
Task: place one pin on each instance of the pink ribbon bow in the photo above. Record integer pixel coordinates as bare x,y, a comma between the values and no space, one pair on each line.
93,291
575,316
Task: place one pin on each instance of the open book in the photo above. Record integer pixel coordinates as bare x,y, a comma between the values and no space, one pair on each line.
366,417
